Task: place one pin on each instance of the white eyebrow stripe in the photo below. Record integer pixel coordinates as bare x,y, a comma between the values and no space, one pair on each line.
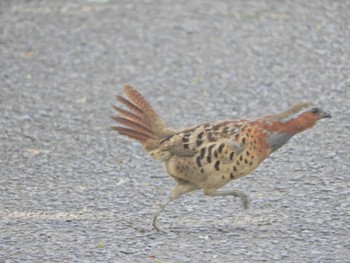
297,114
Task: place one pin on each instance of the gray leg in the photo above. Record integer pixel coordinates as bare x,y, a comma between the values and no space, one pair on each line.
178,190
236,193
158,211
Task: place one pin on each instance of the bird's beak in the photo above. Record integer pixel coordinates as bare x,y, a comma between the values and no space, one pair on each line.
326,115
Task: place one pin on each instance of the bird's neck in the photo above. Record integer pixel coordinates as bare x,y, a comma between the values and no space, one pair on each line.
280,131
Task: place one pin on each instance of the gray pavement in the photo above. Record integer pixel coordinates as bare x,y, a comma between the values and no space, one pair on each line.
72,190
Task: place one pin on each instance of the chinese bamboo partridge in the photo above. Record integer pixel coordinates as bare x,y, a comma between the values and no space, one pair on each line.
209,155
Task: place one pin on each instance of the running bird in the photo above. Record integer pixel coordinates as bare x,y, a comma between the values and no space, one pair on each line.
209,155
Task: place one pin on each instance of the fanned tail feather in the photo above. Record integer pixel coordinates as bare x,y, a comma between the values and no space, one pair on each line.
141,121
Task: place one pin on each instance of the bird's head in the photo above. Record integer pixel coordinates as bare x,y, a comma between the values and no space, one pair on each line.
300,117
316,113
282,126
306,112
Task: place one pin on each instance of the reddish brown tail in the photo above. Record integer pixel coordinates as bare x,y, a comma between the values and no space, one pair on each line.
141,121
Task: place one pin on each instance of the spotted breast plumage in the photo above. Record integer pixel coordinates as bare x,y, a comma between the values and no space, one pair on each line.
209,155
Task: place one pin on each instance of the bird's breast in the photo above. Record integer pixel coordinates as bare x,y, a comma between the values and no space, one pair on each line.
276,140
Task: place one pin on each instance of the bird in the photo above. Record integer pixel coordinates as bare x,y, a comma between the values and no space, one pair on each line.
209,155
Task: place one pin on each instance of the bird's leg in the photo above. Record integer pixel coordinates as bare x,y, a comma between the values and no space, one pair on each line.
158,211
179,189
236,193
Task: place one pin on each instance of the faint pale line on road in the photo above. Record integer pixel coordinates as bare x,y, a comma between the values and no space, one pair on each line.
80,214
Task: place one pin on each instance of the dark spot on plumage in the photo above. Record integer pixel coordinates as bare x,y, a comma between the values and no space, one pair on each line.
210,137
235,168
200,135
210,148
185,139
179,168
189,132
243,141
221,147
217,164
199,142
216,127
198,161
223,177
186,146
166,139
241,158
248,153
209,159
245,161
231,155
237,136
250,163
202,170
238,163
231,175
215,154
202,152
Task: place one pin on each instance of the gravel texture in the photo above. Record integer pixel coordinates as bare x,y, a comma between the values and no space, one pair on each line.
72,190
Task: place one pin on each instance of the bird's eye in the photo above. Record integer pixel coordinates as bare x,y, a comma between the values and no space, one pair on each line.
315,110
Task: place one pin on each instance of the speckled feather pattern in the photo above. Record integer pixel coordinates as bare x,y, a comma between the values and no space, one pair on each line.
212,154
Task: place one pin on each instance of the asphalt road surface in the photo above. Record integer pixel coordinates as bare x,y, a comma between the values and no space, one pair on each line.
72,190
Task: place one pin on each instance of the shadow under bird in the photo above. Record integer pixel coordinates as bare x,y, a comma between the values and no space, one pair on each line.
209,155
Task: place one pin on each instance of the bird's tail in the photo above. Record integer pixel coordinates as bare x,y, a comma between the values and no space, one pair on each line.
140,121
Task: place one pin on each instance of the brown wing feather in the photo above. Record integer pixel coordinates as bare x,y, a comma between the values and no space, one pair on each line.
131,106
131,133
134,126
150,117
144,123
128,114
